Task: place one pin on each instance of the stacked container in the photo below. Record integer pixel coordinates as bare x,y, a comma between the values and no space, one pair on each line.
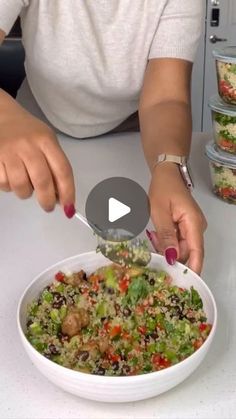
221,151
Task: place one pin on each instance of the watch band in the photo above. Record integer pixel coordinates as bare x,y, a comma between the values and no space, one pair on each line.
182,163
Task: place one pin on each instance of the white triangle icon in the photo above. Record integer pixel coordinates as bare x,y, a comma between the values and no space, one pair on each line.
117,210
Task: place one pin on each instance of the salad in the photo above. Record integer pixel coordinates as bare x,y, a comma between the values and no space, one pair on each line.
225,131
224,182
117,321
226,73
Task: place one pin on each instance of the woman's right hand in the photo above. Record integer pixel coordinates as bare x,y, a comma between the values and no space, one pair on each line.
31,159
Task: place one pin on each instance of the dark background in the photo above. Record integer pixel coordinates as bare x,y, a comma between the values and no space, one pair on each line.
12,57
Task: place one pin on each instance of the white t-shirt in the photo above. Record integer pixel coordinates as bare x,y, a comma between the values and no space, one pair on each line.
85,59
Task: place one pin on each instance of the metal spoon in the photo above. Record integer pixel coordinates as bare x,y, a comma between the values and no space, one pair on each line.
119,246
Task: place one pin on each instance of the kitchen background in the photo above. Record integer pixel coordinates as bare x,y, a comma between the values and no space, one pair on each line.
219,29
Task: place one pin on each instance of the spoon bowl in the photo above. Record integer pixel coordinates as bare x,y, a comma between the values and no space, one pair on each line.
119,245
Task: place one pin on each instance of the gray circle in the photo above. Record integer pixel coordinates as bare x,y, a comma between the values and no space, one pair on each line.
128,193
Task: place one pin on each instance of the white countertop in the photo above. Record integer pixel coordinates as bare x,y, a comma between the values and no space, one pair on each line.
31,240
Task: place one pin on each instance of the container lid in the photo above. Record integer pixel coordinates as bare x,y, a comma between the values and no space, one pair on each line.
216,104
219,156
227,54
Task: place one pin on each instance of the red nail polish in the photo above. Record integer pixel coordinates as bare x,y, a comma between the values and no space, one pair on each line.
171,255
69,210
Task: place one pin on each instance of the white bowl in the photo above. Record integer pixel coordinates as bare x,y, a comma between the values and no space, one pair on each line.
116,389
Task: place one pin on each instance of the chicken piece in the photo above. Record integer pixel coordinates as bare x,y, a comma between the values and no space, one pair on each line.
75,320
92,348
78,278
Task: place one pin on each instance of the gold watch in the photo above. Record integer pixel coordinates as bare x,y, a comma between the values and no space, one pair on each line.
182,163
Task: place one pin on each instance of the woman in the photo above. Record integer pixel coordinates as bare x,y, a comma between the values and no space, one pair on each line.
91,65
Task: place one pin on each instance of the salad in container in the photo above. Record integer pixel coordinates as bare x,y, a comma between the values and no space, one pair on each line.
224,124
226,73
223,173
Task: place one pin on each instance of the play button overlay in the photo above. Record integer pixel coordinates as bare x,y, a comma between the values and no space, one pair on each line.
117,204
117,210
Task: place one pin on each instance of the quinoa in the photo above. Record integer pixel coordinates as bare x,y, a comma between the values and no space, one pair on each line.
118,321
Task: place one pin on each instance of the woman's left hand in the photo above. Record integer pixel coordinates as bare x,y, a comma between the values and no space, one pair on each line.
179,222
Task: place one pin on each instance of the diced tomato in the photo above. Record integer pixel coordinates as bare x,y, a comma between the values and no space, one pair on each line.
142,329
224,87
95,287
160,362
106,326
226,144
126,335
226,192
113,357
164,363
202,327
123,284
139,309
156,359
197,343
115,331
60,277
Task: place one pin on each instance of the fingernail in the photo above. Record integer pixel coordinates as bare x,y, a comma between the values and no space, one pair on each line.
150,237
171,255
69,210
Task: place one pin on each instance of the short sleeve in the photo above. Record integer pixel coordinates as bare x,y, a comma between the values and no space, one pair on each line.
9,11
179,30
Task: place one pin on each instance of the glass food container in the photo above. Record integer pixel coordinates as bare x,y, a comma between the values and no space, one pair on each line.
224,124
223,173
226,73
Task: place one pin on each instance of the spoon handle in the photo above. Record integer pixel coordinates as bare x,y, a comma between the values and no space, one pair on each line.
83,219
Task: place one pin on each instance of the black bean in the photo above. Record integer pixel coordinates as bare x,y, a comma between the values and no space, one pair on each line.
127,312
84,277
63,338
152,281
29,322
174,299
110,290
115,366
53,349
83,355
146,276
58,300
103,319
100,371
147,338
154,335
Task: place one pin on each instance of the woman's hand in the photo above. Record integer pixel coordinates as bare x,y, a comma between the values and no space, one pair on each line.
179,222
31,159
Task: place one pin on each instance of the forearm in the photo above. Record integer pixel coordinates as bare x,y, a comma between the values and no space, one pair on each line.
165,128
